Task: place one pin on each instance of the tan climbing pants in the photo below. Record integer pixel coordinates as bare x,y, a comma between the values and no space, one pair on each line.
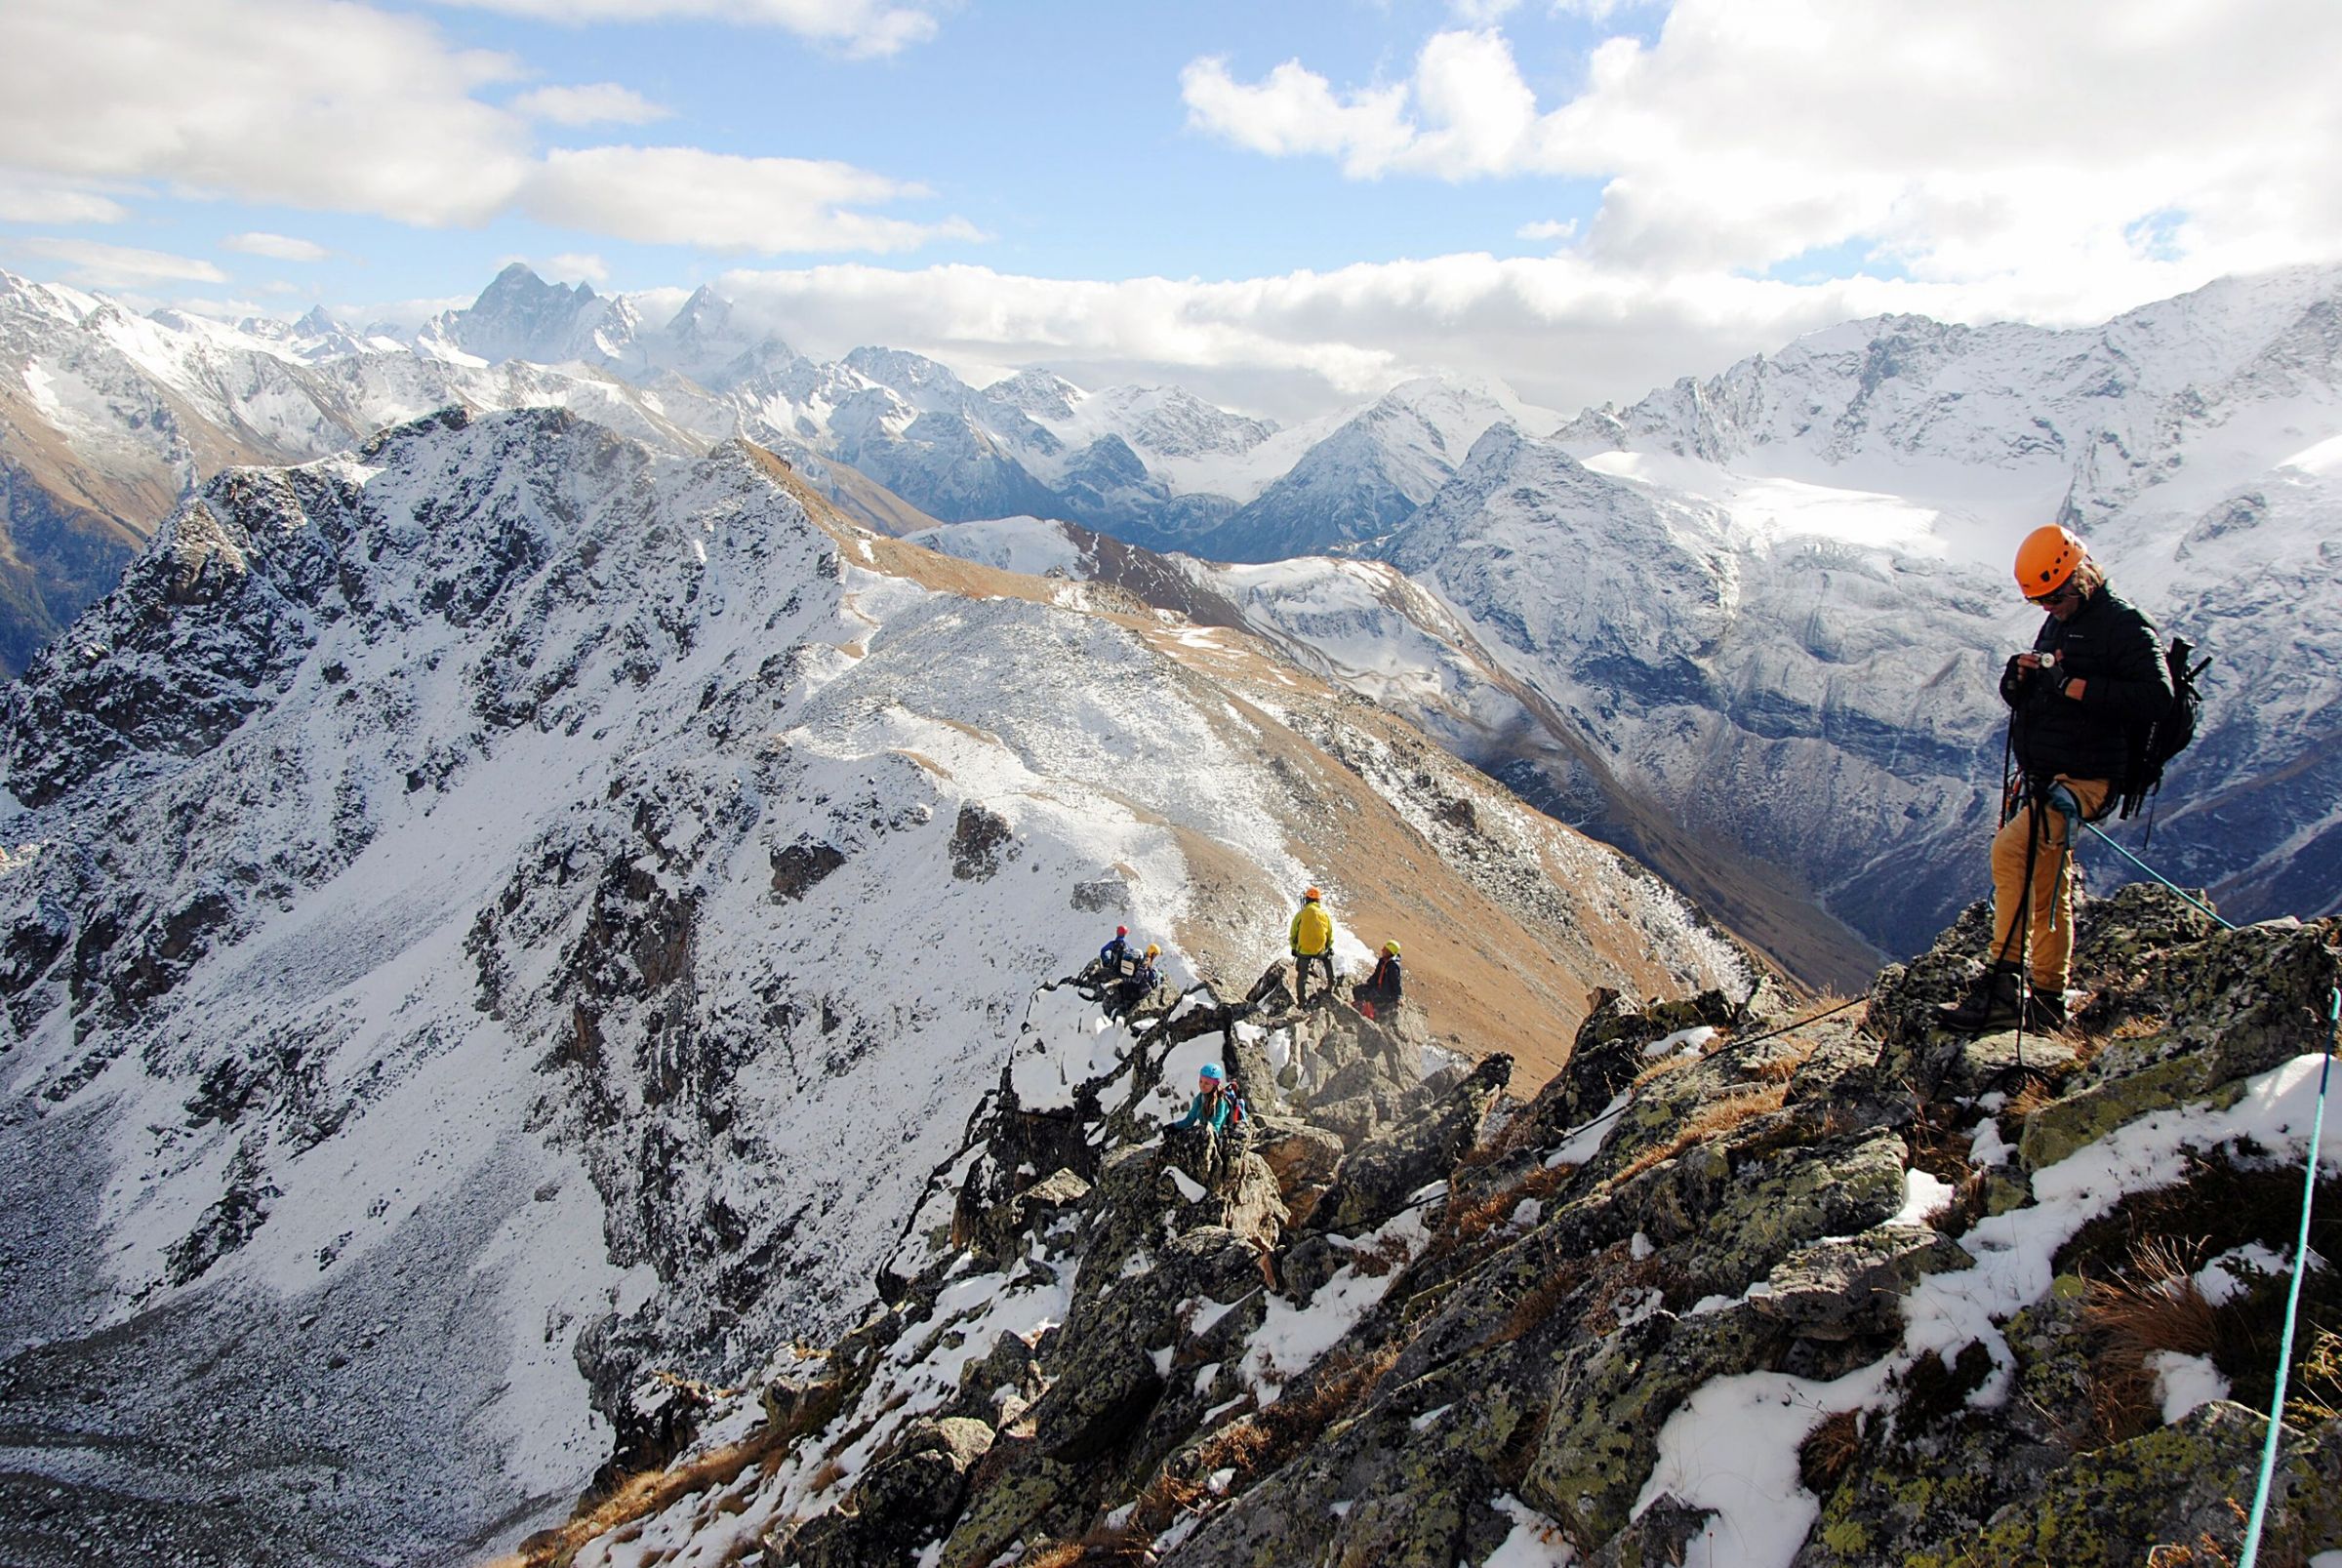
2051,946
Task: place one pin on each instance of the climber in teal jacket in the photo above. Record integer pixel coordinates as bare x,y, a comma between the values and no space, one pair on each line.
1214,1107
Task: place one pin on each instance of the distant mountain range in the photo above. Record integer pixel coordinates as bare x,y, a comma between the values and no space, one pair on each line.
108,417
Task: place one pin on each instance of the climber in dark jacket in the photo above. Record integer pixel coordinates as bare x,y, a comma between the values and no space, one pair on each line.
2094,674
1111,955
1380,993
1136,986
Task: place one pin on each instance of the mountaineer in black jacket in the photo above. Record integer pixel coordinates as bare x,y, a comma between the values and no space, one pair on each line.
2094,674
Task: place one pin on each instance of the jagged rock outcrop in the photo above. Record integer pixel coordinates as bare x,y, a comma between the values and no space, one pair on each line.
1741,1283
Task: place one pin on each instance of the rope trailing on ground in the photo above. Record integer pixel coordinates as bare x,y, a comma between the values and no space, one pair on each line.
2160,877
2301,1259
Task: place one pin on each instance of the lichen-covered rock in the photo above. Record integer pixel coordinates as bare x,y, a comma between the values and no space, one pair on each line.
908,1499
1787,1199
2066,1125
1379,1176
1845,1287
1108,1378
1613,1394
2181,1487
1607,1054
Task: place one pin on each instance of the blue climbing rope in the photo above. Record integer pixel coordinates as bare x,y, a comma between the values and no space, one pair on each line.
2301,1260
2199,908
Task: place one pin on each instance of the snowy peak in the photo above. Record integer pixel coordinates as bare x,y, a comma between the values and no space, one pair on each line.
1037,394
920,382
1369,473
522,316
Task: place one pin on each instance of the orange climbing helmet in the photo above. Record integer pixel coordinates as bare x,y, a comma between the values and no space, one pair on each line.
1152,950
1309,896
2045,560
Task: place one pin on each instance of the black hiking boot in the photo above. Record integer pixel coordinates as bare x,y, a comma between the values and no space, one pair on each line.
2045,1009
1996,1001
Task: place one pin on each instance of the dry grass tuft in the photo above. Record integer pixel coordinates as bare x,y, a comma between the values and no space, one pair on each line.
1830,1451
1666,1065
652,1492
1463,1224
1541,1301
2032,1096
2318,1388
1713,1120
1102,1548
1781,1066
2153,1307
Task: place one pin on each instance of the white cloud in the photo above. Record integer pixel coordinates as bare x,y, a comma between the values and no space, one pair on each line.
276,247
1556,229
26,199
683,196
1480,13
1754,131
119,266
574,267
333,106
862,27
1295,111
597,103
1566,331
328,105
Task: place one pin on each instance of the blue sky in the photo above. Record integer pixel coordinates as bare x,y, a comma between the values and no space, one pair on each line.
1580,198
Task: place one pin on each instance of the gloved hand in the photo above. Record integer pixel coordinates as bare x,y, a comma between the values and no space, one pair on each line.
2013,679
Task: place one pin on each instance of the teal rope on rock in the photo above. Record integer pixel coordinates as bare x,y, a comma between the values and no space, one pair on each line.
2199,908
2301,1259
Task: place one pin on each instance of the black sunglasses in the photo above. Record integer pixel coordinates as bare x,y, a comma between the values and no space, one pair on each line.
2062,592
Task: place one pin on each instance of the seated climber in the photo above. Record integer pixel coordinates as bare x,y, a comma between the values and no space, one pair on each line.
1138,984
1378,995
1115,953
1215,1116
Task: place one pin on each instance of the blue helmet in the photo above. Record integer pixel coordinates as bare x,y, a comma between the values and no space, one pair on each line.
1212,1072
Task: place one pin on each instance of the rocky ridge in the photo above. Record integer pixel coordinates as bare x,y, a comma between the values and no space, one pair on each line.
511,895
1743,1283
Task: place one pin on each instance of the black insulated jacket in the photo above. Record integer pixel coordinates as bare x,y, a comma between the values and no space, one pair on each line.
2111,646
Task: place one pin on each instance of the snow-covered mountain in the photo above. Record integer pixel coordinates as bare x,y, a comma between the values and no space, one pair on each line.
1779,598
1370,473
507,910
1367,627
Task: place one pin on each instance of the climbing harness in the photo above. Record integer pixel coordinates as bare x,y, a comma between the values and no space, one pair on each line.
2301,1259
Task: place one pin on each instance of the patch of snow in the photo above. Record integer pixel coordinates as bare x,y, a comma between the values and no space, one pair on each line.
1536,1542
1925,1196
1588,1140
1689,1042
2184,1382
1987,1147
1293,1337
2226,1277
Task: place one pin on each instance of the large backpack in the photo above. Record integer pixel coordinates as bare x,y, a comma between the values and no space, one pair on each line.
2168,735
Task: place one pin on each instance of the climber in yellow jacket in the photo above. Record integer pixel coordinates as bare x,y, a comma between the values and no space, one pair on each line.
1313,944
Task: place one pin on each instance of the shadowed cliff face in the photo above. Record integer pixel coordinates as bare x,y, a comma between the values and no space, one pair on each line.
1821,1287
513,897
